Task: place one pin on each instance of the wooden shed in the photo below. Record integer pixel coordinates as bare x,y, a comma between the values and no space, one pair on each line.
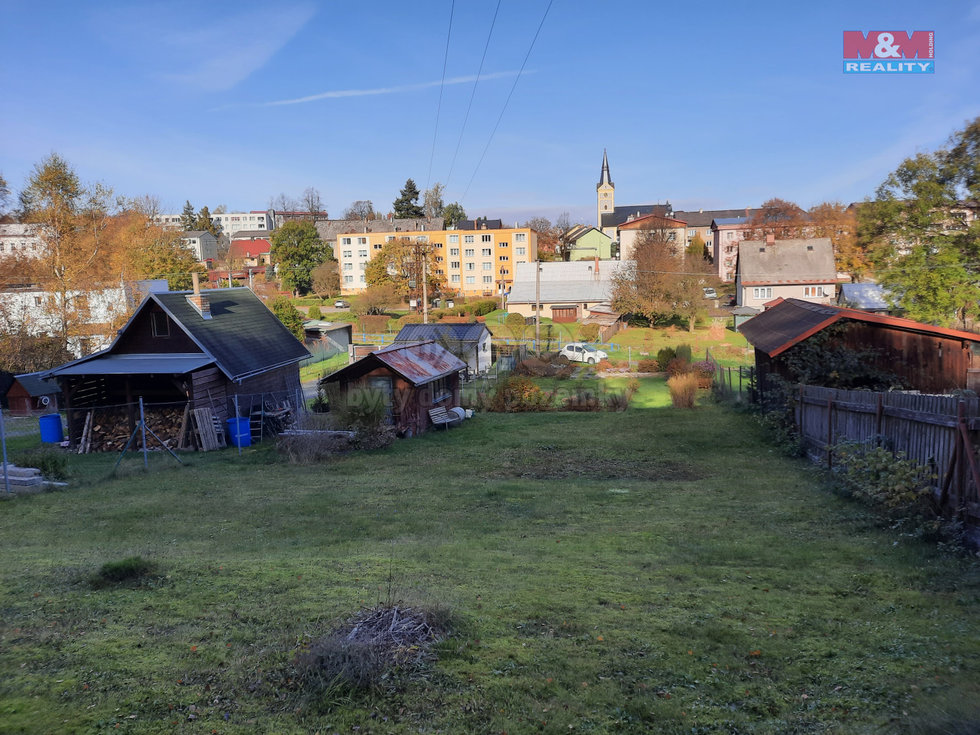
183,351
411,379
928,358
29,393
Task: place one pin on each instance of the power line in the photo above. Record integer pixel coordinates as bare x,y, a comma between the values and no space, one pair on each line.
469,106
442,84
507,101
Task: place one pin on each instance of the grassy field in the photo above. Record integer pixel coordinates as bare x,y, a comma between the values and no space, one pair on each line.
654,571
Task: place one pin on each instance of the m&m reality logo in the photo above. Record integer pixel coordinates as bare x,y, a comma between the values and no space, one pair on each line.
889,52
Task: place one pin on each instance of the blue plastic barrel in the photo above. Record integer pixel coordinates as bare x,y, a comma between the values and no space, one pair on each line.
51,431
239,433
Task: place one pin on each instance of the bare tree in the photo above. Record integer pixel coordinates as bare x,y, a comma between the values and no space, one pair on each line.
563,243
283,203
312,204
362,209
432,203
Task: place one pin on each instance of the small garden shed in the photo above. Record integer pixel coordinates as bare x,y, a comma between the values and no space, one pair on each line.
410,378
469,342
925,357
30,393
182,351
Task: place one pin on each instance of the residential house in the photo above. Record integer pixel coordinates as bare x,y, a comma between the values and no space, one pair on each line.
410,378
587,243
326,339
770,269
202,243
674,231
928,358
219,349
231,223
469,342
20,241
699,223
565,291
726,234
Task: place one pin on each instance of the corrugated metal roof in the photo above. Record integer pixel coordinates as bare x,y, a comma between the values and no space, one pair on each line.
138,364
790,322
419,363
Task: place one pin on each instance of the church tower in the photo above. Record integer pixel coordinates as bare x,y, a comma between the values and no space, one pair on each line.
605,192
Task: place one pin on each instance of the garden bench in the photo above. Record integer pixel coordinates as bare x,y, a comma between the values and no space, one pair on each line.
441,415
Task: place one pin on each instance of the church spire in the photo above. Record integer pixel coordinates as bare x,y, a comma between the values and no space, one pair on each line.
604,176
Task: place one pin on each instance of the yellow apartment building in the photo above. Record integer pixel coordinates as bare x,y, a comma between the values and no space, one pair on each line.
477,259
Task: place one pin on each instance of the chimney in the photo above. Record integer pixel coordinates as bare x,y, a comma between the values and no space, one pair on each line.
595,273
770,238
198,300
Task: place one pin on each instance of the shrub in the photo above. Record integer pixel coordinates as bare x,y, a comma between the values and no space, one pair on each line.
705,372
678,366
133,570
604,365
589,332
482,307
683,390
684,353
412,318
881,478
365,412
52,462
648,366
582,400
664,356
314,312
313,447
373,323
518,394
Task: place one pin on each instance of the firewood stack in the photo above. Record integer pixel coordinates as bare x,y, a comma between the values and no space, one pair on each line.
108,430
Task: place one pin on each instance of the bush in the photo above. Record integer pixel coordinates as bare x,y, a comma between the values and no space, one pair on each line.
313,447
373,324
314,312
52,462
648,366
880,478
678,366
365,412
519,394
133,570
589,332
482,307
684,353
683,390
664,356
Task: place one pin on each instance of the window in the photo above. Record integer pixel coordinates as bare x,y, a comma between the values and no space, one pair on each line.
488,279
37,301
422,238
503,244
378,246
160,324
362,241
763,292
504,257
348,253
389,238
454,238
729,236
348,279
520,237
692,232
813,291
471,279
454,264
486,238
467,238
470,252
486,266
504,271
438,258
348,266
471,266
362,253
520,251
454,278
362,265
362,279
454,251
345,241
486,251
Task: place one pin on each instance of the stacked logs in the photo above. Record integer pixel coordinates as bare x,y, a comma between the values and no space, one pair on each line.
108,430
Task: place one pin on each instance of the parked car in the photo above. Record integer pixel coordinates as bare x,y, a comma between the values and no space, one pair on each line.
581,352
341,304
710,293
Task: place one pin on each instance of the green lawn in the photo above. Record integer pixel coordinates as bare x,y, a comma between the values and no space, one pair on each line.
656,571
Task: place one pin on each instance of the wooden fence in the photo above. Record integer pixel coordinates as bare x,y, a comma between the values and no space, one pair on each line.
936,431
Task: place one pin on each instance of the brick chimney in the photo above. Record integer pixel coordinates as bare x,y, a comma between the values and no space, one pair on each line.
198,300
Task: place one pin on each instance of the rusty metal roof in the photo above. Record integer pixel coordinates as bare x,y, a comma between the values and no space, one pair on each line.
791,321
418,362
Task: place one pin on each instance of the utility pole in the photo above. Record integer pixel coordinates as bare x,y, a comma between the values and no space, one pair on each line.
425,288
537,304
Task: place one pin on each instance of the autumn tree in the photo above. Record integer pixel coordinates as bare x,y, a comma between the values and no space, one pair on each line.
920,235
297,250
786,220
838,222
153,252
662,282
401,264
561,233
362,209
376,299
432,204
698,248
407,203
326,278
547,242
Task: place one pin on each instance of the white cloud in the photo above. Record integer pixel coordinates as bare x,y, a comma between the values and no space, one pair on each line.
339,93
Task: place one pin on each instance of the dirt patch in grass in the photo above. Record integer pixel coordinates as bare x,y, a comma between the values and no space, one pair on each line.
547,463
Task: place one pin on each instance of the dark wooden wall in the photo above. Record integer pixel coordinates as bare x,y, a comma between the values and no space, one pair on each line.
138,338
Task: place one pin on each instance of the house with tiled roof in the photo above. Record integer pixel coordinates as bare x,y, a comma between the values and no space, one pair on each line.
630,232
799,269
586,242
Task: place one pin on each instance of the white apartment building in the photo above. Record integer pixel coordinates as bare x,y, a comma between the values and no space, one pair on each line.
230,222
19,240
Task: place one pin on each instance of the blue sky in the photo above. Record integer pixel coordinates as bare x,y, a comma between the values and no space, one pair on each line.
709,104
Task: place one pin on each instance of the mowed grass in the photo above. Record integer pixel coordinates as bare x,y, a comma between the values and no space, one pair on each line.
650,571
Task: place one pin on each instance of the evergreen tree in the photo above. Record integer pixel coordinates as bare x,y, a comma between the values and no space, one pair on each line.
205,223
453,214
188,218
407,204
